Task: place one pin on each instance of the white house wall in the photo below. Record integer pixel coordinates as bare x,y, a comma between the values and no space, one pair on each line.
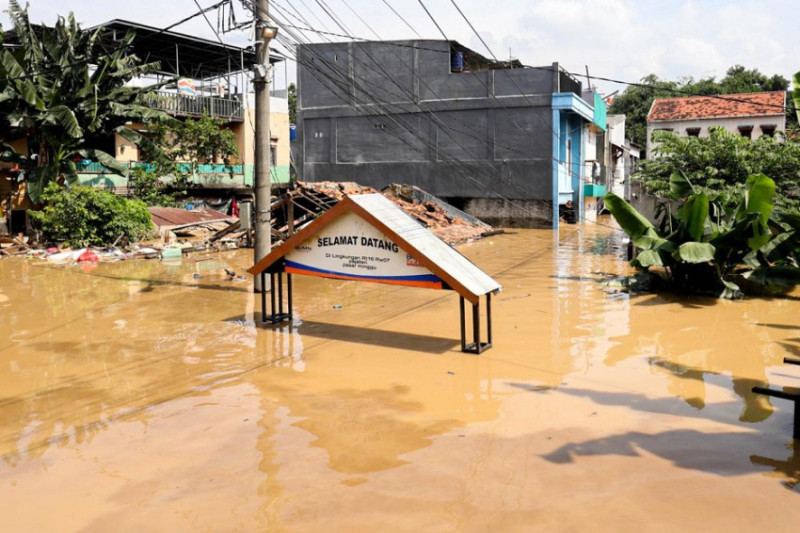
731,124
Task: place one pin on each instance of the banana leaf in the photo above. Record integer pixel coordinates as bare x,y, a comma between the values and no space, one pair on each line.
760,194
694,214
695,252
680,186
776,275
648,258
633,223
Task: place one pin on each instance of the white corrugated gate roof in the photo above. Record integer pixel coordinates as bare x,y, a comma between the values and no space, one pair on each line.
428,245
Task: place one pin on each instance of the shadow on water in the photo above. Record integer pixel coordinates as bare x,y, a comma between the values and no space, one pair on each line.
756,407
690,449
233,286
361,335
687,301
779,326
715,453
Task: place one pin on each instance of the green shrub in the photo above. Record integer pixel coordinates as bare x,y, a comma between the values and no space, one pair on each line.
145,185
84,215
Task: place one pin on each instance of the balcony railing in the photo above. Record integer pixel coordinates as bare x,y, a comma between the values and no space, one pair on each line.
93,167
212,106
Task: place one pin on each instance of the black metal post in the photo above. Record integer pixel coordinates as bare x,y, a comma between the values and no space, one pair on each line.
796,432
791,361
784,396
280,294
489,318
289,293
263,298
272,294
463,326
476,327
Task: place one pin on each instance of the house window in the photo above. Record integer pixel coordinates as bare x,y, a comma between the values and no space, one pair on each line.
746,131
693,132
768,129
273,155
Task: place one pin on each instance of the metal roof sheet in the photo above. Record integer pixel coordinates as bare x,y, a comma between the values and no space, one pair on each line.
175,216
432,247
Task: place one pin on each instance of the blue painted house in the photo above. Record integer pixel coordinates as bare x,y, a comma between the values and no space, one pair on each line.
502,141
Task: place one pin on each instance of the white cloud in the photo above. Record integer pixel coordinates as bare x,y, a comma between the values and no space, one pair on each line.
622,39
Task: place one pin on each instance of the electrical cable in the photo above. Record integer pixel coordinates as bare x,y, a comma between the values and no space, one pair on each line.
490,177
401,18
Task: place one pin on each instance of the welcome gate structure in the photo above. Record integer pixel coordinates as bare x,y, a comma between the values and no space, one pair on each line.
369,238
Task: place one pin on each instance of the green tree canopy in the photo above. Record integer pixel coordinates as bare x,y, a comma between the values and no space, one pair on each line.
721,163
66,94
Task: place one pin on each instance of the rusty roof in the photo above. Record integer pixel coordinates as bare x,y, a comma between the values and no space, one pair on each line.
718,106
175,216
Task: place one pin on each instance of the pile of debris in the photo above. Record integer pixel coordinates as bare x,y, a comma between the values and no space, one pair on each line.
448,223
205,229
10,245
202,227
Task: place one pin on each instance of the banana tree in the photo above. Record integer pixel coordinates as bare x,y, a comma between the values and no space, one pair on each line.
64,92
796,94
702,247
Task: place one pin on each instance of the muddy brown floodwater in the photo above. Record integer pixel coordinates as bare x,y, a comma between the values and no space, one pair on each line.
143,396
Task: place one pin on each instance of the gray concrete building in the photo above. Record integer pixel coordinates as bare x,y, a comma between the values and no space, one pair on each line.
501,141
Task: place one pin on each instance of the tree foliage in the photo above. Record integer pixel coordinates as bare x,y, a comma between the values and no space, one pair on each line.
292,97
66,94
83,215
705,246
721,163
636,100
196,141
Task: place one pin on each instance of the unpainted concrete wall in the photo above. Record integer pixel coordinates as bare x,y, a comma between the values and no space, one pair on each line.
381,113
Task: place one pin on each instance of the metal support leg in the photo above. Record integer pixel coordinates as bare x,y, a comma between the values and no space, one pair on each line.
476,327
289,294
796,432
488,319
272,294
785,396
277,311
263,298
463,325
280,293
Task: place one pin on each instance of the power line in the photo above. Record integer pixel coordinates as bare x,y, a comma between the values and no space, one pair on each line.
401,18
346,3
434,147
433,20
58,68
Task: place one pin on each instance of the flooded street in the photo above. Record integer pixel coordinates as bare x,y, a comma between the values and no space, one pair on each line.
146,396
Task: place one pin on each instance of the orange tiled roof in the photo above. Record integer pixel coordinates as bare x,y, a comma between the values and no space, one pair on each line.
726,105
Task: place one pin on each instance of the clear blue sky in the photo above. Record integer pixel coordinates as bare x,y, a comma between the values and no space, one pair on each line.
620,39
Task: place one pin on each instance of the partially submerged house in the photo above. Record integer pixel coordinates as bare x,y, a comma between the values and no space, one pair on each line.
501,141
750,115
207,78
213,80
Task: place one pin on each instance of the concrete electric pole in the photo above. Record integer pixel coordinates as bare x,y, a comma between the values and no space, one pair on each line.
265,31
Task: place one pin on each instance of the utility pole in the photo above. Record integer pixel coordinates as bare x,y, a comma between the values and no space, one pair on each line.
265,31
